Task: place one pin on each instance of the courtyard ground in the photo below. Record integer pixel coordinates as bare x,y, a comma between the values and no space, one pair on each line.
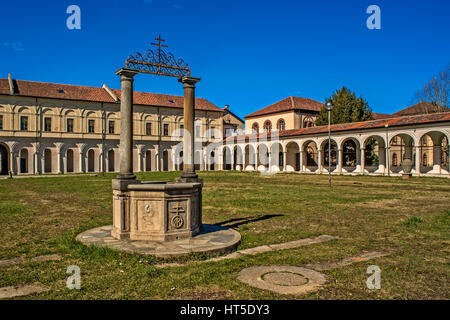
409,219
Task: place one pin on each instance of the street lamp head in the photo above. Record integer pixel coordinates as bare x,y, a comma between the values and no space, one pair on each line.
329,106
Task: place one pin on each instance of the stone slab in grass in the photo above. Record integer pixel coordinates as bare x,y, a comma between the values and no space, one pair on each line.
326,265
282,279
10,262
21,290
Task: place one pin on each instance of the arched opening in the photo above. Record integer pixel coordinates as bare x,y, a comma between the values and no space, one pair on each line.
401,147
267,126
148,160
255,128
237,158
276,152
292,157
351,155
433,153
326,158
262,158
212,161
308,122
197,160
249,158
374,154
24,161
91,160
311,156
47,161
111,167
165,160
226,155
281,125
70,160
4,160
180,161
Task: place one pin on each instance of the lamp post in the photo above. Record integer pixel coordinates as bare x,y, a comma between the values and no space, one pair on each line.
329,106
387,149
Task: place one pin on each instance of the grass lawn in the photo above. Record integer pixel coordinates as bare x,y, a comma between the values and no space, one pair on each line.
410,218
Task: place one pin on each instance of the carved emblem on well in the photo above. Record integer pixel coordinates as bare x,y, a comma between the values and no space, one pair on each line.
177,214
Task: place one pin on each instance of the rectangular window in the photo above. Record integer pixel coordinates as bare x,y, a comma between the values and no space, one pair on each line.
181,130
24,123
148,129
91,126
1,122
166,129
47,124
213,135
111,127
69,125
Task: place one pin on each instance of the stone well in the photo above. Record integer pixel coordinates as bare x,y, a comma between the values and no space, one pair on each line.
156,211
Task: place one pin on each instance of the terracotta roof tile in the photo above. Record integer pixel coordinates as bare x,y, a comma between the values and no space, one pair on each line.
419,108
373,124
95,94
287,104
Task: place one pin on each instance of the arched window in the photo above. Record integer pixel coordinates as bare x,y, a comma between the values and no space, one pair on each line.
267,126
255,128
281,125
308,122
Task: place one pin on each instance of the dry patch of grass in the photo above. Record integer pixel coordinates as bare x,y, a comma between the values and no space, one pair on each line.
411,218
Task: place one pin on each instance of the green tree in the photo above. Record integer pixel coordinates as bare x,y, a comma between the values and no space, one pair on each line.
347,108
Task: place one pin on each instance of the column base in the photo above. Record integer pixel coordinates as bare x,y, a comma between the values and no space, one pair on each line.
188,177
126,176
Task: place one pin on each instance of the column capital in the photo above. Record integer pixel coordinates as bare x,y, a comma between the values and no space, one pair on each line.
126,73
189,82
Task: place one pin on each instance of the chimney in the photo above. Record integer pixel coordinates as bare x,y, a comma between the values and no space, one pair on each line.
227,107
11,84
110,92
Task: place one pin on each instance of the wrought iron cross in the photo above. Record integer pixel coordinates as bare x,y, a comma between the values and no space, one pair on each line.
159,43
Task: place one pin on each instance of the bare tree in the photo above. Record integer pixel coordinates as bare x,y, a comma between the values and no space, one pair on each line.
436,92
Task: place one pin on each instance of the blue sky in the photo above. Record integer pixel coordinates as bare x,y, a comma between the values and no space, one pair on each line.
248,53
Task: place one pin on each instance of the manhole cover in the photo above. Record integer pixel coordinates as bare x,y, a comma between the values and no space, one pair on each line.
282,279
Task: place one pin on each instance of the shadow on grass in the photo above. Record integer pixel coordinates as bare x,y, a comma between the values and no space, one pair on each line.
246,220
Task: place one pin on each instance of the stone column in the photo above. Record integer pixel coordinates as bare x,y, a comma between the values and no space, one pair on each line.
418,158
270,162
340,160
189,174
301,160
58,162
437,157
284,161
363,160
319,160
126,124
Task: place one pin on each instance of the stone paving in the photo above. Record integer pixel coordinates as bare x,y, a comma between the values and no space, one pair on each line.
326,265
10,262
261,249
21,290
213,239
282,279
297,280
